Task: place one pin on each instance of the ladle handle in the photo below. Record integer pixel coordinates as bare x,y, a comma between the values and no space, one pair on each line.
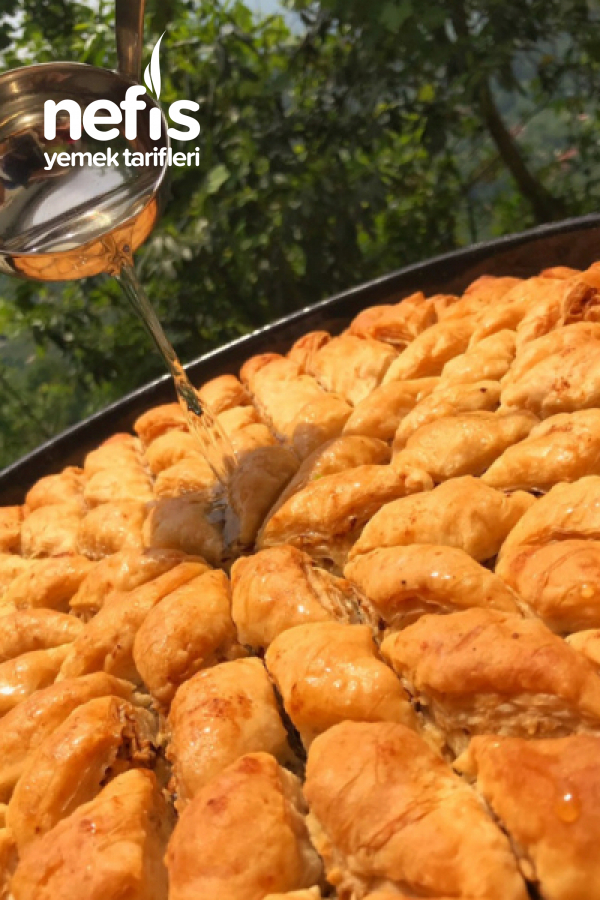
130,33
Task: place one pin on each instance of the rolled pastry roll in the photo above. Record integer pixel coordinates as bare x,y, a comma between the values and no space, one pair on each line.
66,487
328,672
217,716
387,813
110,847
483,671
544,794
35,629
253,800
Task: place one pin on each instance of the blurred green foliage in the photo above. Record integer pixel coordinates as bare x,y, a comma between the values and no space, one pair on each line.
336,145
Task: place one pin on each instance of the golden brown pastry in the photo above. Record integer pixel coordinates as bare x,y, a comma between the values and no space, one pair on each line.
488,360
282,587
559,372
387,813
123,571
338,455
379,414
66,487
223,393
121,451
25,674
106,642
49,583
404,583
444,401
11,566
461,513
292,402
327,516
35,629
253,803
466,444
95,743
562,448
170,448
51,530
28,724
588,643
118,483
158,421
110,847
483,671
111,527
182,524
514,306
217,716
190,475
545,796
429,353
579,301
191,629
8,862
567,512
351,366
305,347
559,581
328,672
397,325
486,292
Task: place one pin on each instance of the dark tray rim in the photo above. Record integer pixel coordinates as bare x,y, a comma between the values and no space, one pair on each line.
51,455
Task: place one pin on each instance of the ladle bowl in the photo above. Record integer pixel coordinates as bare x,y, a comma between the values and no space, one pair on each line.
70,222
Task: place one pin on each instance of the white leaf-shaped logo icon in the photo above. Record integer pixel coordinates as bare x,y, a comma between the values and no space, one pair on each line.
152,72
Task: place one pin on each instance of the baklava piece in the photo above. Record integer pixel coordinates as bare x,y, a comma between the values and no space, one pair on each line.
328,673
326,518
380,414
66,487
282,587
559,372
486,292
217,716
388,814
488,360
465,444
184,524
250,825
351,366
48,583
191,629
404,583
545,794
514,306
123,571
299,411
112,846
159,420
35,629
444,401
52,530
223,393
25,727
484,671
11,566
121,451
97,741
106,642
567,512
119,483
565,447
304,349
111,527
23,676
461,513
559,581
396,324
588,643
169,449
429,353
338,455
578,301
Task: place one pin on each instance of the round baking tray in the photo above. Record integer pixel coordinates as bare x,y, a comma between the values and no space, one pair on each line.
573,242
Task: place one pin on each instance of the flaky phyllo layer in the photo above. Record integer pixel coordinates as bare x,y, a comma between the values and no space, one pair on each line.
367,668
